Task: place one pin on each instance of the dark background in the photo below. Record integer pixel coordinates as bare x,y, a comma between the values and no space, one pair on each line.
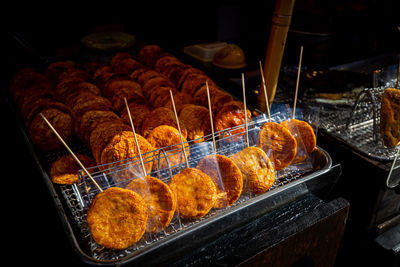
353,29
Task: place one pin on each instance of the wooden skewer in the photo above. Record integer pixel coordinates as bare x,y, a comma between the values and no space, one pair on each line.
398,75
265,91
245,110
134,135
297,83
211,117
70,151
179,128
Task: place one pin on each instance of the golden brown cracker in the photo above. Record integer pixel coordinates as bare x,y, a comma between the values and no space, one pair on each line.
160,116
160,200
232,115
168,138
123,146
43,136
196,120
195,193
257,169
65,169
305,138
227,177
390,117
90,119
102,134
278,143
117,218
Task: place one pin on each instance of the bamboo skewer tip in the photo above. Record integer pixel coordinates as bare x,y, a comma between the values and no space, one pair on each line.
211,118
179,128
297,83
398,74
265,91
134,135
245,110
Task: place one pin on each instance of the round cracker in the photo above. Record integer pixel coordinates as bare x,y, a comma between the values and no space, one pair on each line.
227,177
117,218
194,81
168,138
91,119
195,193
305,138
196,120
102,134
231,115
56,69
257,169
114,86
123,146
278,143
65,169
126,66
153,83
73,93
44,137
117,58
160,116
148,54
160,200
138,114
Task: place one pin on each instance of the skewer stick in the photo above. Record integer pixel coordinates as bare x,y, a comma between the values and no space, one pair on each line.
297,83
179,128
211,117
134,135
265,91
70,151
398,75
245,110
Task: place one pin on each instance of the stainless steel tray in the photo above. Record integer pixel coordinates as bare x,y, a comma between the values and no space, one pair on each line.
287,188
72,203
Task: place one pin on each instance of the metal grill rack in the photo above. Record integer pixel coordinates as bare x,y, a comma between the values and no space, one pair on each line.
79,196
358,126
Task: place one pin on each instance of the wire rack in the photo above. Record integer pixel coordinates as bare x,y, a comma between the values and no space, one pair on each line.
79,196
358,125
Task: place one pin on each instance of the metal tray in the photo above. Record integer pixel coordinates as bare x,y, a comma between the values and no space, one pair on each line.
71,203
357,124
189,234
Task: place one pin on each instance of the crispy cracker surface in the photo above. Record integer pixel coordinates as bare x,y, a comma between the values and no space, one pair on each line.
197,121
122,146
257,169
65,169
160,116
117,218
278,143
43,136
226,176
160,200
195,193
168,137
305,137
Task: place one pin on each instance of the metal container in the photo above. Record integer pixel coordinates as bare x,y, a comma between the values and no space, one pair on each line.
72,202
